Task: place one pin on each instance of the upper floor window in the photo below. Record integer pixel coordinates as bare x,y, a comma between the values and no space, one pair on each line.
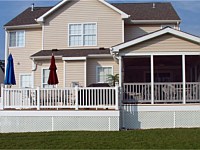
17,39
83,34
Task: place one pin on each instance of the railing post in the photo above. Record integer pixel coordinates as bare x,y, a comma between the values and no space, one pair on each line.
2,97
76,97
38,98
117,96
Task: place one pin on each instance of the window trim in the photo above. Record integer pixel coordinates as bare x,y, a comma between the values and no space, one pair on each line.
16,39
97,67
25,74
82,35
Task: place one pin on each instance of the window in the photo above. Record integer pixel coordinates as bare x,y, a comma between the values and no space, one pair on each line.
83,34
102,74
17,39
26,81
45,77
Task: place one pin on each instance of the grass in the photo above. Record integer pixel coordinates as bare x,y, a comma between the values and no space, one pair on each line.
137,139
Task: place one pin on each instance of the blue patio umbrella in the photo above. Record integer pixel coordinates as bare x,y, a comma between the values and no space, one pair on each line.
10,73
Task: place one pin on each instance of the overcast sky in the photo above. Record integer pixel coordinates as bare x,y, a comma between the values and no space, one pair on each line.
189,11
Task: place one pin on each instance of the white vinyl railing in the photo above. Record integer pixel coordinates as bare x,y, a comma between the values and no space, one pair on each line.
163,93
137,92
75,98
168,92
192,92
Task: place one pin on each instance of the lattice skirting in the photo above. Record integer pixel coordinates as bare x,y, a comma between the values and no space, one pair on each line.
133,117
37,123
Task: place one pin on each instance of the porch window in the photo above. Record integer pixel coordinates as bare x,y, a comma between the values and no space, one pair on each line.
45,77
102,74
17,39
84,34
26,81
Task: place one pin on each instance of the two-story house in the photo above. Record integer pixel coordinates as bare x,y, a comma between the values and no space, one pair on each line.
157,63
91,39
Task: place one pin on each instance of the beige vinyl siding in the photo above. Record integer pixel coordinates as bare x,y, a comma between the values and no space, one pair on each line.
44,64
75,72
165,43
109,24
92,64
21,56
134,31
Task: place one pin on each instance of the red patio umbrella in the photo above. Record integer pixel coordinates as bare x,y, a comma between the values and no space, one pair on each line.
53,78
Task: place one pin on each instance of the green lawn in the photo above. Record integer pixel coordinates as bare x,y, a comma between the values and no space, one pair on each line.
138,139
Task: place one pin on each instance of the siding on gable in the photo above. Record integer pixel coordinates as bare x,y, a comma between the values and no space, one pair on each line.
75,72
165,43
92,63
109,24
134,31
21,56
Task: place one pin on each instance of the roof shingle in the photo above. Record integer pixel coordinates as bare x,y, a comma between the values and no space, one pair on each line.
28,17
71,52
137,11
145,11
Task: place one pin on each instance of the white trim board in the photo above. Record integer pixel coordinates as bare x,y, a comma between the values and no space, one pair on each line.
159,53
41,18
74,58
156,34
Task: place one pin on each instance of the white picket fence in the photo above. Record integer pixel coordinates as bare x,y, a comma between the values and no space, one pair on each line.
65,98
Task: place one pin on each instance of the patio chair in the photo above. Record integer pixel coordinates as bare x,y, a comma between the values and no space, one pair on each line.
170,92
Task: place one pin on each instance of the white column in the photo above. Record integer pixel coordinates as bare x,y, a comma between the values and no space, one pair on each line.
184,79
64,74
6,49
152,80
120,71
85,72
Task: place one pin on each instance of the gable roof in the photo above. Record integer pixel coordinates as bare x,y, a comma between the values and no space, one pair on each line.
137,11
28,17
145,11
158,33
41,18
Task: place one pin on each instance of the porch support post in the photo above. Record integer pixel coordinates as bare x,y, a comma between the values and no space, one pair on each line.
120,71
184,79
152,80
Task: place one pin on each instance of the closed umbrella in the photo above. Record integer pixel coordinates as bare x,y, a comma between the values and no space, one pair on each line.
10,73
53,78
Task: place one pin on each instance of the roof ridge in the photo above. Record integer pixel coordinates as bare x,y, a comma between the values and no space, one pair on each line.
142,3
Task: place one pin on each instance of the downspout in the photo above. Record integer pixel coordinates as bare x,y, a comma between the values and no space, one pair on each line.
114,55
34,65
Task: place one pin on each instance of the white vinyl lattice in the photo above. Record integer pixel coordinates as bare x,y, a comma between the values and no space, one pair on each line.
134,119
25,124
58,123
188,119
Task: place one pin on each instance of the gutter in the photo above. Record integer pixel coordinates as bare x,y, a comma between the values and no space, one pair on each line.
23,26
45,57
154,21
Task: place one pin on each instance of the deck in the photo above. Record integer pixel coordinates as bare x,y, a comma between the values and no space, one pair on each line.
77,98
